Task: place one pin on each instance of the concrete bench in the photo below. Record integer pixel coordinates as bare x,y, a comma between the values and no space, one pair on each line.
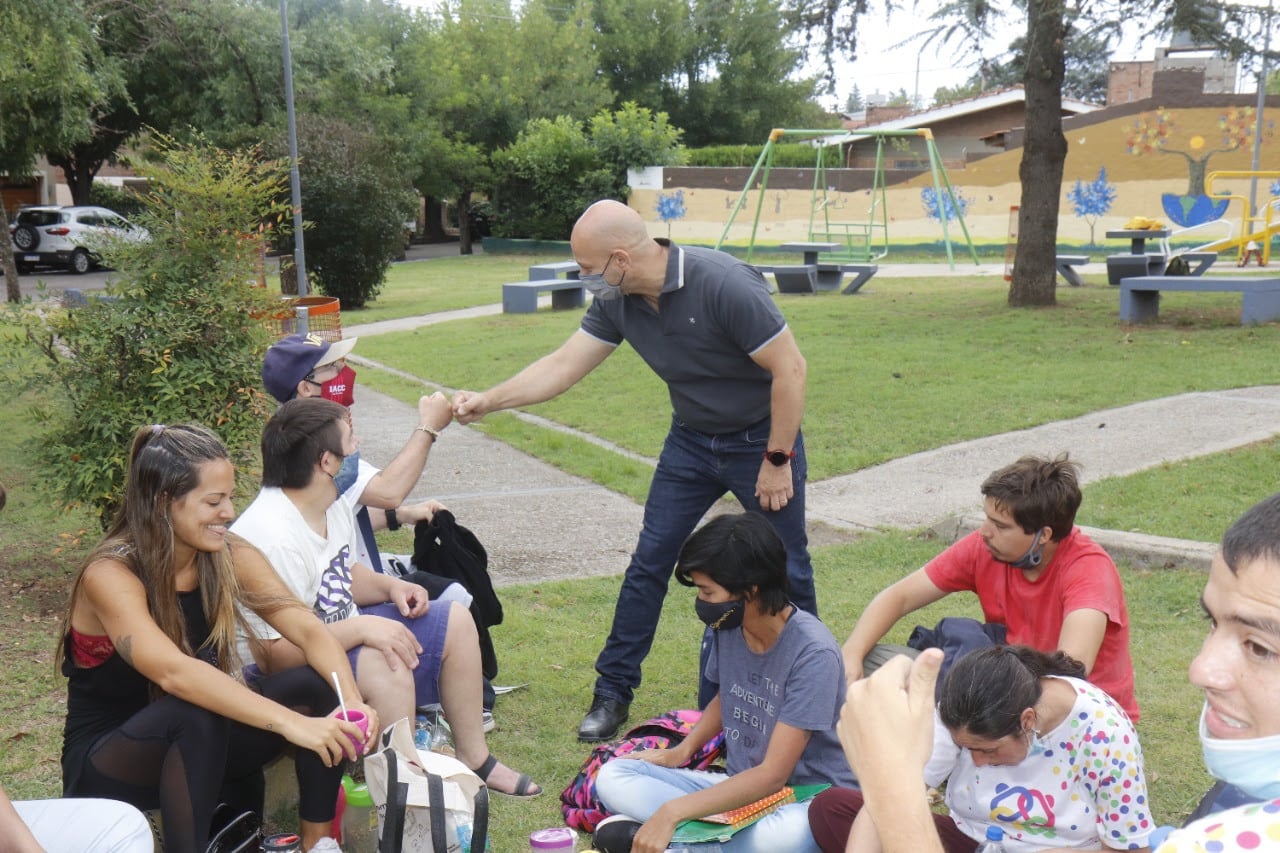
1140,295
830,276
796,278
539,272
521,297
1066,268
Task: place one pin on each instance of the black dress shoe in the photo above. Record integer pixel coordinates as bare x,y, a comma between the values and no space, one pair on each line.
603,720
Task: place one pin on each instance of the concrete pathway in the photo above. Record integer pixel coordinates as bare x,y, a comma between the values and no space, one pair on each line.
539,522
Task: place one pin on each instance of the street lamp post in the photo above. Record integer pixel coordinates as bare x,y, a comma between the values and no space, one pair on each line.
295,185
1262,103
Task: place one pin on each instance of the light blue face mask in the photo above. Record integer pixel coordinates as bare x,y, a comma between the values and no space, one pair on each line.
1248,763
348,473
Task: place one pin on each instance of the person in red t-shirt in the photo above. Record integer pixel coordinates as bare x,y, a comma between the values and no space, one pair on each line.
1033,571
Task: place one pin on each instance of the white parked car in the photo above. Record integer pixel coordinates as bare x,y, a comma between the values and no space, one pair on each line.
67,236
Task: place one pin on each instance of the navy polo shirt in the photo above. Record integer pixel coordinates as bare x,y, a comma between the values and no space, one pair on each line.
714,313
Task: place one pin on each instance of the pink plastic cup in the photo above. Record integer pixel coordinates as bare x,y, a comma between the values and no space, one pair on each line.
361,720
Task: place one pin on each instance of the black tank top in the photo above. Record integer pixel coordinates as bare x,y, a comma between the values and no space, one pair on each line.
100,699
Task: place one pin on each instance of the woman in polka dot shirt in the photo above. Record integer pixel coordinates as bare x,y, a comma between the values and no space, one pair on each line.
1024,743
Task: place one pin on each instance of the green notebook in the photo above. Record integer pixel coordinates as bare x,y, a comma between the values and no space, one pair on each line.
700,831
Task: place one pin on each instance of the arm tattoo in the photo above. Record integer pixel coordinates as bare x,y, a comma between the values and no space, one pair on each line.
124,646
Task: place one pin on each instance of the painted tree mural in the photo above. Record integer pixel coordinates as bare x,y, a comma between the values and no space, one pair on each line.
950,209
1092,200
670,208
1159,132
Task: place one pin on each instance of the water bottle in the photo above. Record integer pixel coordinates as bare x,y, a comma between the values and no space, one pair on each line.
359,818
994,842
422,732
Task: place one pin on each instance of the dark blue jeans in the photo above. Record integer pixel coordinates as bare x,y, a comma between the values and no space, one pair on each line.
694,471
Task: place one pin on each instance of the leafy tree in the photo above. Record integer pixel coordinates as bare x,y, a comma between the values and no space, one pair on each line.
1087,58
555,169
949,95
474,74
544,178
177,340
355,202
173,65
854,102
47,85
633,137
716,67
1092,200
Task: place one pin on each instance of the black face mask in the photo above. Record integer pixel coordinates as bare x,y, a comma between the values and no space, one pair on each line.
1034,555
724,616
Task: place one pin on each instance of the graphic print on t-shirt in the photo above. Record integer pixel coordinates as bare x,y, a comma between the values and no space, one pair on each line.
747,720
333,599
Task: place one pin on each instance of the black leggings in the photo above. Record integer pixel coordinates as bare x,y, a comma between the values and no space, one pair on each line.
178,757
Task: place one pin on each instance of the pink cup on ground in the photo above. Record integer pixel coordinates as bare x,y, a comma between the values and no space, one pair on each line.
361,720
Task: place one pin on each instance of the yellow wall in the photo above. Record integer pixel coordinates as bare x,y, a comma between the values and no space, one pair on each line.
991,185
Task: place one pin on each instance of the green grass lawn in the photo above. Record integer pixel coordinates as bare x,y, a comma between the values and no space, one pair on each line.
916,364
912,365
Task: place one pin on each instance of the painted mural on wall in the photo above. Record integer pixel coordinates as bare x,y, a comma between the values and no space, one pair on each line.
1159,132
1091,201
1115,183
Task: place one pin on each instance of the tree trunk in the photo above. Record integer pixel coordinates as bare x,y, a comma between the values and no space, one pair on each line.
79,172
13,292
1044,152
464,222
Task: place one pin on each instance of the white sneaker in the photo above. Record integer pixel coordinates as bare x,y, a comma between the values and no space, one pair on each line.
325,845
489,723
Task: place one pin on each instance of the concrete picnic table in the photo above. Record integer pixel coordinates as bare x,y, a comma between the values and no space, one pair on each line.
827,276
1138,238
1137,262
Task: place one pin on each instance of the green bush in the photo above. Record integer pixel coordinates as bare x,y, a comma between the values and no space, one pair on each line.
795,155
174,341
545,179
355,200
125,202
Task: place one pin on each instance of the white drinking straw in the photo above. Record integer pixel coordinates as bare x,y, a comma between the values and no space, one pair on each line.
338,687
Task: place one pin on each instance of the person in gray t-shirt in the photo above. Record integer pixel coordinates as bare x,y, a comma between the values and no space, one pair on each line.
781,686
705,324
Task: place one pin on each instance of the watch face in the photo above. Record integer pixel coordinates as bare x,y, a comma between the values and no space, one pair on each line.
779,457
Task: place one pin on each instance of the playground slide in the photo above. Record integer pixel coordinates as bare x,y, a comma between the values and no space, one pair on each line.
1238,243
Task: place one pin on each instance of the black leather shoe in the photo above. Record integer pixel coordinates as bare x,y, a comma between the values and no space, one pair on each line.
603,720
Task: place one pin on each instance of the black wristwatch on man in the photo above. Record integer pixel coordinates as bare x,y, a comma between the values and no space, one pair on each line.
778,458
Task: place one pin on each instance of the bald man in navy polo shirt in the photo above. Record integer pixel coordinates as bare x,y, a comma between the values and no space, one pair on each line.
706,324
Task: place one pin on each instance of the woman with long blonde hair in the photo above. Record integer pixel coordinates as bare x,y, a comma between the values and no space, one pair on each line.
157,712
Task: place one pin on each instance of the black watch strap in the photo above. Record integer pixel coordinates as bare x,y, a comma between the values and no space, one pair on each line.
779,457
393,523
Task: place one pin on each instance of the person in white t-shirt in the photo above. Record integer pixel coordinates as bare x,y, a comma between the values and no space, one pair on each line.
406,652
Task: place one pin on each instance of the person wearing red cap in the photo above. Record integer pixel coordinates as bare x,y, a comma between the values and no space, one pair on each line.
310,366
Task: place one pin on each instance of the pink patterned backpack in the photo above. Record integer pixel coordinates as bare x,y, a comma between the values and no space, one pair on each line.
582,808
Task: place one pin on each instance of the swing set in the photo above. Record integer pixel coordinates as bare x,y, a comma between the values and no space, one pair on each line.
867,240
